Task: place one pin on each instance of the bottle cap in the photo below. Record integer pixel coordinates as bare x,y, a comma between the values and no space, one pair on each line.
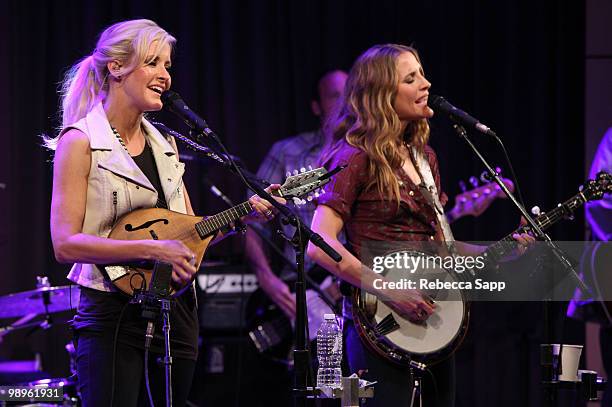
329,316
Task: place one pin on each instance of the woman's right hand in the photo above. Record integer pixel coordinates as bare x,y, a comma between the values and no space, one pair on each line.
180,256
409,304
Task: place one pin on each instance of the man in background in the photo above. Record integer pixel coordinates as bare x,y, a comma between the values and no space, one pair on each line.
287,155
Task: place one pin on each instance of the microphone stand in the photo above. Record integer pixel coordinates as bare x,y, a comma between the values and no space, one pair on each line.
304,235
288,262
540,235
228,161
154,301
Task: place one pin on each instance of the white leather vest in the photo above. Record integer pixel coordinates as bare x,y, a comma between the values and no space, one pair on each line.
116,185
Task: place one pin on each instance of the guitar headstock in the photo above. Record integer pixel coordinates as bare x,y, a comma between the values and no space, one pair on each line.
477,200
595,189
304,183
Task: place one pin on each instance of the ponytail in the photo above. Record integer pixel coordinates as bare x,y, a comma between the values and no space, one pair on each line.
86,83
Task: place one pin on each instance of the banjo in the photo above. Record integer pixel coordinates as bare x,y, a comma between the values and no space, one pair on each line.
272,332
399,340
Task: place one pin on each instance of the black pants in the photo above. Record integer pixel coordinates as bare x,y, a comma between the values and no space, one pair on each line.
394,387
95,368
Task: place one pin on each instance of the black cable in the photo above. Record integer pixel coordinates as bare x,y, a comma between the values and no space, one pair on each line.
240,335
146,374
232,162
435,384
115,339
512,173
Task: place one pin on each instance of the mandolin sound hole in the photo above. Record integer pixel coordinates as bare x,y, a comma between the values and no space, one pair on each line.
145,225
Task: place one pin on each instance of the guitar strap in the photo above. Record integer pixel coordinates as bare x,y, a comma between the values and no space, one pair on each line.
431,194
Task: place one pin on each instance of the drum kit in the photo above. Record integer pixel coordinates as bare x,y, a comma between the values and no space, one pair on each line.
33,310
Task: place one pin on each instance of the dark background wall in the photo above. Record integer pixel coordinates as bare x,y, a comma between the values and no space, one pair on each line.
248,66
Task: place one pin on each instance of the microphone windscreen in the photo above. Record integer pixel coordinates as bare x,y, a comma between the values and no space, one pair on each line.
435,101
169,96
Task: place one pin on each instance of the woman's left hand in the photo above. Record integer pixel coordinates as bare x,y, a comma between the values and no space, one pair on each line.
525,241
263,211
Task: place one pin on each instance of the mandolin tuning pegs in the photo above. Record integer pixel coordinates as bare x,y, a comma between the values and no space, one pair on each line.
536,211
295,172
310,168
288,174
302,169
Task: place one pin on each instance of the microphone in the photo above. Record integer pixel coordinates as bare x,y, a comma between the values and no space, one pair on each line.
439,104
173,102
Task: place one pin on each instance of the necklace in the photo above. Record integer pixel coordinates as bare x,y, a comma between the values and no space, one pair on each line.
116,133
160,203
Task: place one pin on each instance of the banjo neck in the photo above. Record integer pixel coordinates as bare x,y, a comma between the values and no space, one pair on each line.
564,210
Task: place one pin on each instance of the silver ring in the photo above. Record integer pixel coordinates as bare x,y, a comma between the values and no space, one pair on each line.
269,212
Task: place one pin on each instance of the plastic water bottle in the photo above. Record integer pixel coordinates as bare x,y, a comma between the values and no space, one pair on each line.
329,353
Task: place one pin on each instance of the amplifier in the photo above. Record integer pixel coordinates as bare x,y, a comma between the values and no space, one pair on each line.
227,283
223,291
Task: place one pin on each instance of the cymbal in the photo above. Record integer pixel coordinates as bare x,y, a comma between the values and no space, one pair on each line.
61,299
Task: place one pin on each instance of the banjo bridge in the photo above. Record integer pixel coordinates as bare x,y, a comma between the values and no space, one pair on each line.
386,325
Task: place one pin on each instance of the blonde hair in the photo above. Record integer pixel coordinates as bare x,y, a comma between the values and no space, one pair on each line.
86,83
365,117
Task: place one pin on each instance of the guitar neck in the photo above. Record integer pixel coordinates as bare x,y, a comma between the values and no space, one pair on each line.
216,222
451,216
506,245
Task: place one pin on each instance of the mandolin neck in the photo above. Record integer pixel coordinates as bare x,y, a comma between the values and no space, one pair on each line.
216,222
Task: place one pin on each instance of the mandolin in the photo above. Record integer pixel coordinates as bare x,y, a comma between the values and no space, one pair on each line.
193,231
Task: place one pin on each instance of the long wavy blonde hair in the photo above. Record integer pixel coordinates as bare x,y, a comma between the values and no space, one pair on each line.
365,118
87,82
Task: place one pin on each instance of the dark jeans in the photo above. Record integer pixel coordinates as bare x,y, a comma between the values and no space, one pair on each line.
94,369
394,387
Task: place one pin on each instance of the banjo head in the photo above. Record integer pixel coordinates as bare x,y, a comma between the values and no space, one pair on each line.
400,340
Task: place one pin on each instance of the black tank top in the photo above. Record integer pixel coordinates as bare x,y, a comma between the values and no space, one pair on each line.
146,162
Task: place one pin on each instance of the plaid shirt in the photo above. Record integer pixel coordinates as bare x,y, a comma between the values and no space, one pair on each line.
369,218
285,156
